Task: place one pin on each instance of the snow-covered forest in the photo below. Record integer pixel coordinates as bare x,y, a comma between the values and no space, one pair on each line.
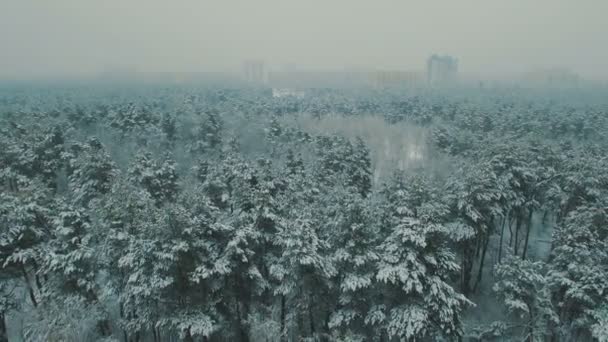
217,213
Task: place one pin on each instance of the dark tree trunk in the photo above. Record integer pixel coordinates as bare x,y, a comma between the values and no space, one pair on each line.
154,336
531,329
502,233
545,214
104,327
523,256
283,314
3,329
29,286
243,335
383,336
121,312
137,337
510,225
477,247
326,331
481,262
188,337
311,318
552,333
467,268
517,228
36,277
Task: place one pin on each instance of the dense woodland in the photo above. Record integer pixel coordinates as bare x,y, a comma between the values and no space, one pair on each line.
208,213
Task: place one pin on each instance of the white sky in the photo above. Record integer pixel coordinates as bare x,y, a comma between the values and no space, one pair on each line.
74,37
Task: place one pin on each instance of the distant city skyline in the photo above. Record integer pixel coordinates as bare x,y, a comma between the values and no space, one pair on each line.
71,37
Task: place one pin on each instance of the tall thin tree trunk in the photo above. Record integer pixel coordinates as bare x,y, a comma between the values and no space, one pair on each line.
301,333
283,314
3,329
531,330
104,327
477,247
36,277
502,233
311,318
467,268
326,330
517,228
29,286
188,337
510,231
523,256
483,257
137,337
121,312
243,335
553,334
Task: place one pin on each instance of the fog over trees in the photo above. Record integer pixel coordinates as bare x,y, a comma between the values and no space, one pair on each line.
303,171
211,213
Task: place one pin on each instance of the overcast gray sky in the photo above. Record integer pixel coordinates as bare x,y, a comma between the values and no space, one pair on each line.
72,37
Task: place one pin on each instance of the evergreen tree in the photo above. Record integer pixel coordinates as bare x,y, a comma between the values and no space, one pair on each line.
413,273
91,172
158,178
523,286
579,267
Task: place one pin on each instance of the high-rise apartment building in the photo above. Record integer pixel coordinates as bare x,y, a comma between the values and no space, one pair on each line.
441,70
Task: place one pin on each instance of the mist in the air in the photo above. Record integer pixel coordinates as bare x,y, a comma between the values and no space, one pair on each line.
492,39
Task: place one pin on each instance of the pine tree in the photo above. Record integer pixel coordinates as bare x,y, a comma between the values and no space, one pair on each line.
476,198
159,178
355,234
69,258
522,285
302,268
208,135
8,303
91,172
25,221
413,274
600,329
578,267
